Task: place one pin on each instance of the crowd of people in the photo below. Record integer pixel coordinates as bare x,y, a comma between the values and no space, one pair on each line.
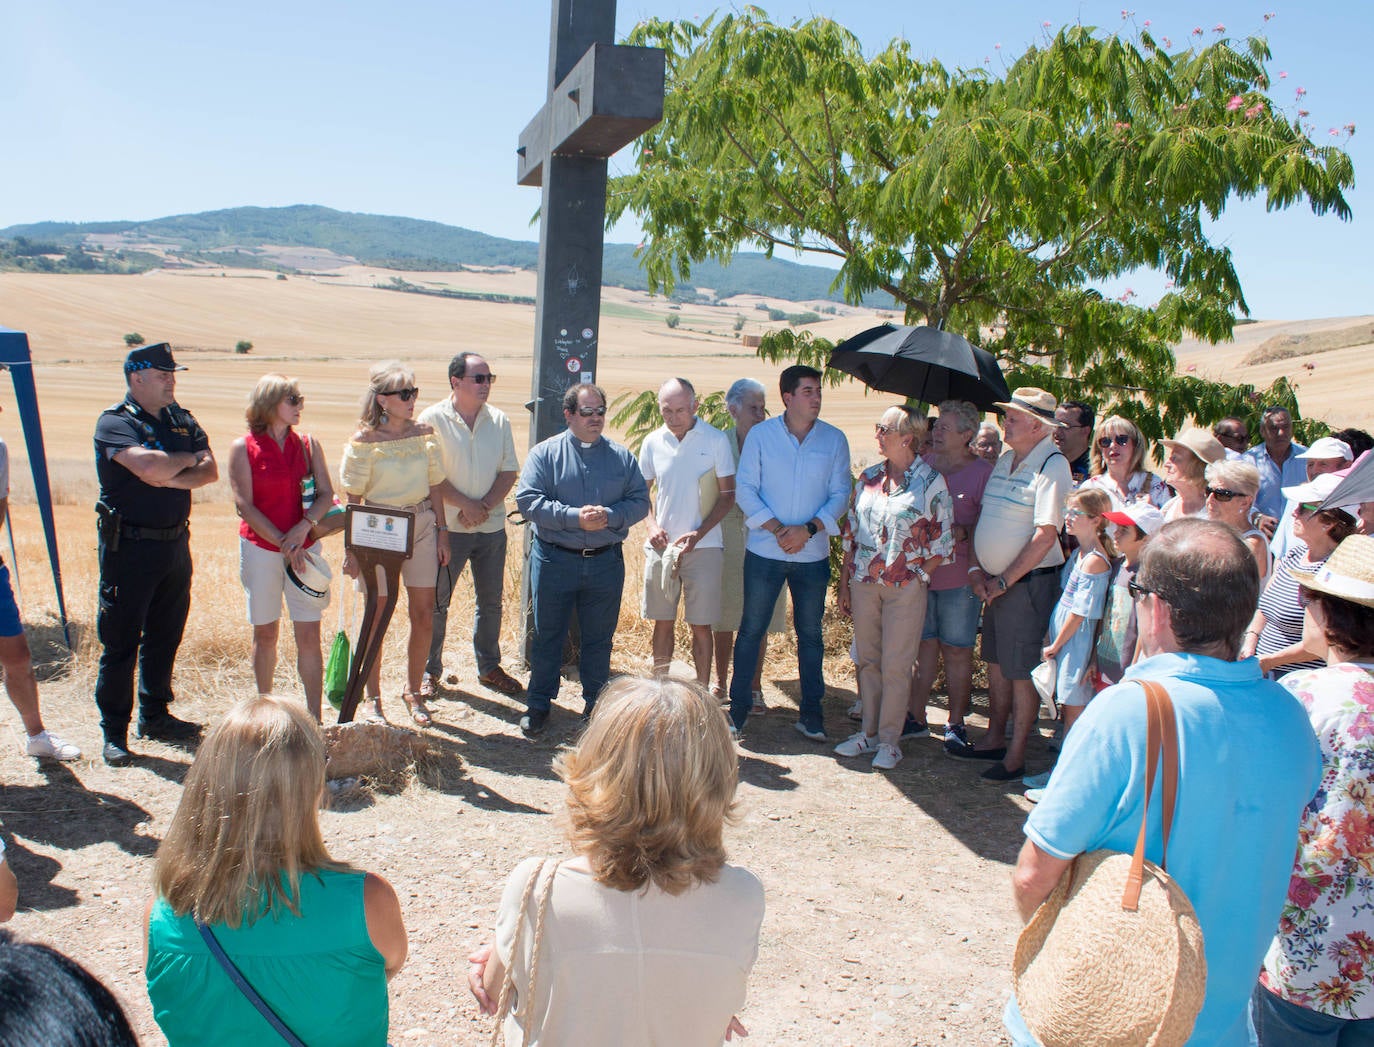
1228,578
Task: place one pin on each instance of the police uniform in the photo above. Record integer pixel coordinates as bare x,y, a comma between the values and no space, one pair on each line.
145,565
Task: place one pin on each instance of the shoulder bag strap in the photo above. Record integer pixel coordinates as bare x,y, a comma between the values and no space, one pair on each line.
508,981
1162,739
241,983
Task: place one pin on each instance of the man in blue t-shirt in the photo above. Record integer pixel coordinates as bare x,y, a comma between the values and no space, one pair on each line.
1248,765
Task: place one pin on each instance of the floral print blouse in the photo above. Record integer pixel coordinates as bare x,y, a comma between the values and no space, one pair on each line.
895,527
1323,955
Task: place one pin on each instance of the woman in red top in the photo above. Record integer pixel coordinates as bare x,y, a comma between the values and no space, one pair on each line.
266,468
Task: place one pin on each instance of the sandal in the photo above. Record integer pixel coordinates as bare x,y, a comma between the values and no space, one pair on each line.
373,707
418,712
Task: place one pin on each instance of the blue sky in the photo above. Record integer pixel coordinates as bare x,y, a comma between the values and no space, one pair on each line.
151,108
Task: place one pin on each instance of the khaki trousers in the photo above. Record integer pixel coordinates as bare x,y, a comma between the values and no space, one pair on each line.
887,634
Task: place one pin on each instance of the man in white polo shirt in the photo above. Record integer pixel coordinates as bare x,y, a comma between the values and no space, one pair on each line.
690,470
480,468
1016,572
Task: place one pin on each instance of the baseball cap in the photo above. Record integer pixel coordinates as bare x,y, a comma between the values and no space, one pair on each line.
1319,490
1328,447
1141,514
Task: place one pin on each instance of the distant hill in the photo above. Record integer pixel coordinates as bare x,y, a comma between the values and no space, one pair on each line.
405,243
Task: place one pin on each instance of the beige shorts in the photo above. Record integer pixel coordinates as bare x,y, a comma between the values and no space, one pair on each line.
263,574
697,581
421,571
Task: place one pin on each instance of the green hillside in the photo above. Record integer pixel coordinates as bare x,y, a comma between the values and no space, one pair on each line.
411,243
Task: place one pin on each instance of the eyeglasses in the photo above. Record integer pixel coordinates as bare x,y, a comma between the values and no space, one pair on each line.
1221,494
1120,439
482,379
1137,590
406,395
1073,514
588,412
295,399
882,430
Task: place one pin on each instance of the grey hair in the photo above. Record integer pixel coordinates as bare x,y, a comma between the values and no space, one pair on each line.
740,388
963,413
1235,475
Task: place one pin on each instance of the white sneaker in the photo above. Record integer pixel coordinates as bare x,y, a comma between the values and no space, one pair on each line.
889,756
858,744
48,745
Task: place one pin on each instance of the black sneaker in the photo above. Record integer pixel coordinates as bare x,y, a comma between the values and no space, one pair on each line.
532,723
116,755
167,728
913,728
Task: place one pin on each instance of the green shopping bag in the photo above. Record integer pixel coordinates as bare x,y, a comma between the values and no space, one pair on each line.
340,654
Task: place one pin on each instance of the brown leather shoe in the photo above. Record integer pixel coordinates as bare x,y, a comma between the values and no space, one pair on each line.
500,680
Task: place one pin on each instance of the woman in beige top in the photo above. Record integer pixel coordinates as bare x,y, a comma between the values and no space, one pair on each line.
394,463
647,935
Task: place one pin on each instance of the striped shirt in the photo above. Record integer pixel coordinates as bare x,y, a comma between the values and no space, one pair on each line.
1283,612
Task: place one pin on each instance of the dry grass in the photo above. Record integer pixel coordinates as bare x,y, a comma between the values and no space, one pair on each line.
1288,346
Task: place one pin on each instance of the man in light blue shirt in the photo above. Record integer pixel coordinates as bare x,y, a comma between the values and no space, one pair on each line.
792,485
1277,460
1248,765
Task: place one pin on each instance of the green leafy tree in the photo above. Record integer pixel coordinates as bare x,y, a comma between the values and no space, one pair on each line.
133,339
673,320
243,346
992,205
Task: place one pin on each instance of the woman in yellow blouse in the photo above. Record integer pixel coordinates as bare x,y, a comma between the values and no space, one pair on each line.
394,463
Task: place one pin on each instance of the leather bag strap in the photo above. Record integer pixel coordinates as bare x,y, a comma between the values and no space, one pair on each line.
1161,740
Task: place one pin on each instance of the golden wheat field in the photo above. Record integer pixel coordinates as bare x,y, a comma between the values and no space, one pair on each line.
889,917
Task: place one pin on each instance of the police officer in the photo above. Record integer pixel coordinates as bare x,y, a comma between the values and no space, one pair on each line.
150,454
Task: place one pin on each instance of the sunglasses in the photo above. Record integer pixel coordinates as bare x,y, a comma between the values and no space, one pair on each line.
1221,494
1308,508
1137,590
482,379
882,430
588,412
1120,439
295,399
406,395
1074,513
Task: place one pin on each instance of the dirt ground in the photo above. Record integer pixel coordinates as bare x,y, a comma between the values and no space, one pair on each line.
888,921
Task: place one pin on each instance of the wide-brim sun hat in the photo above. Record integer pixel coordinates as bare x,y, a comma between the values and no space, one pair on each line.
314,578
1037,403
1200,442
1347,574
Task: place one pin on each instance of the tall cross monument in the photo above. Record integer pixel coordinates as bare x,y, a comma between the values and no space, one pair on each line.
601,98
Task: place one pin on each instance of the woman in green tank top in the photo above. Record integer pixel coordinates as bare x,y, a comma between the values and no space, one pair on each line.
316,939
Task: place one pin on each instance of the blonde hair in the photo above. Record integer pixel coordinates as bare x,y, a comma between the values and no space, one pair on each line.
1096,504
651,786
270,391
247,827
383,377
1114,425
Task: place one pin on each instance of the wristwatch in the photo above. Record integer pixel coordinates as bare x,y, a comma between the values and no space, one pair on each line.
811,528
1002,582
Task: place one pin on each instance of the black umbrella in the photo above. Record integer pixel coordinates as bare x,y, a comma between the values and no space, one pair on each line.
924,363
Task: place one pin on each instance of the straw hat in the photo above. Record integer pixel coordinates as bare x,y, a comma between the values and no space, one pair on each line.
1037,403
1202,443
1347,574
1117,976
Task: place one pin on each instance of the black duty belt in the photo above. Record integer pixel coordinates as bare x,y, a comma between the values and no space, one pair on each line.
152,534
583,552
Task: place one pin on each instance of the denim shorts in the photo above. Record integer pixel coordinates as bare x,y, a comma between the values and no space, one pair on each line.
952,616
9,610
